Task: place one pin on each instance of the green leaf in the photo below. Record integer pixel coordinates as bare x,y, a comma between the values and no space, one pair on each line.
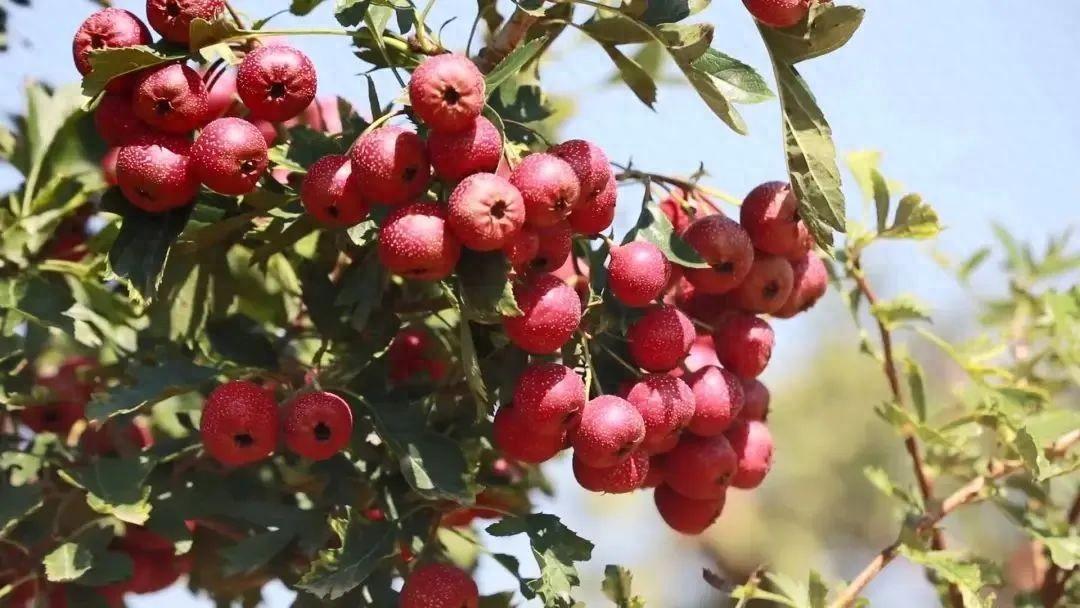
109,63
635,76
656,12
470,364
654,227
736,81
688,43
969,576
364,547
880,479
350,13
67,563
141,248
617,587
153,383
916,386
304,7
1039,432
115,486
487,294
361,289
828,28
255,551
914,220
900,310
513,63
556,549
203,33
19,503
874,187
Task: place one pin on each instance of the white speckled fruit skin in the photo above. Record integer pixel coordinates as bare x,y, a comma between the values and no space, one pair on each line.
178,86
332,194
753,446
638,272
666,405
283,65
155,172
723,244
222,151
175,28
549,186
700,467
610,429
455,156
661,339
391,164
428,87
416,242
551,314
471,212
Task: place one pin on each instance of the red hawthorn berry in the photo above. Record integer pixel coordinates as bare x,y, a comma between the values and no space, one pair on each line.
276,82
56,417
778,13
68,241
770,215
686,515
804,244
766,287
753,447
624,477
439,586
230,156
589,163
155,172
744,344
172,18
725,246
318,425
700,467
153,570
70,380
391,164
171,99
113,437
522,249
553,250
485,211
809,284
240,423
447,92
416,242
666,405
414,353
270,134
549,186
638,273
331,192
610,430
518,441
702,354
657,471
675,208
221,93
718,399
455,156
661,338
323,115
549,397
108,28
595,214
116,121
108,166
755,400
551,312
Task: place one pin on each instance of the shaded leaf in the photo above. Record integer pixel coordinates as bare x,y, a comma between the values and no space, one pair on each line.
513,63
487,294
141,249
654,227
635,76
109,63
153,383
116,486
337,571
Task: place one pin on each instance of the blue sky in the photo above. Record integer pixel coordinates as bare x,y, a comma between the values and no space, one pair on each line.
972,103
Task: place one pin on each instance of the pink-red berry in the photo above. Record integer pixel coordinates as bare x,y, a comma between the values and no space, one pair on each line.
666,405
810,282
230,156
116,121
172,18
240,423
778,13
551,312
725,247
416,242
485,211
317,425
770,215
331,192
447,92
766,287
609,431
518,441
171,98
391,164
414,353
276,82
155,172
624,477
439,586
549,186
753,446
220,92
595,213
108,28
661,338
700,467
522,248
686,515
755,400
744,344
549,397
457,155
553,250
702,354
589,163
638,272
718,400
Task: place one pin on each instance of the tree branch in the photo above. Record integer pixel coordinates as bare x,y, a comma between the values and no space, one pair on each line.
1053,587
509,36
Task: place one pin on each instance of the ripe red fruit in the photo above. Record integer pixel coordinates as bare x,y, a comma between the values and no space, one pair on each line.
318,425
172,18
56,417
108,28
331,192
391,164
171,98
416,242
553,250
753,446
770,215
589,163
153,570
276,82
414,353
661,338
725,246
155,172
522,248
657,472
700,467
549,397
220,92
485,212
447,92
239,423
718,399
702,354
439,586
551,312
666,405
686,515
609,431
675,208
778,13
518,441
108,165
230,155
455,156
756,400
744,344
116,121
627,476
549,186
594,214
766,287
810,283
114,437
269,132
638,273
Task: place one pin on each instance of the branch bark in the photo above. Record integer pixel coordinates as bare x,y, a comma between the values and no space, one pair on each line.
509,36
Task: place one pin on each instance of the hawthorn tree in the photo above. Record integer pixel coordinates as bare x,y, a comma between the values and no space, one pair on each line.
251,333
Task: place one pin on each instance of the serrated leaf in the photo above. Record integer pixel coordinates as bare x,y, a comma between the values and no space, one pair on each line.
67,563
141,249
255,551
969,576
337,571
636,78
109,63
487,294
914,219
1039,432
153,383
737,81
203,33
828,28
617,587
654,227
115,486
916,386
556,549
874,187
513,63
900,310
880,479
687,43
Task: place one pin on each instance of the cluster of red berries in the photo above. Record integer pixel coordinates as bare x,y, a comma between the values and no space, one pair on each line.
694,424
779,13
241,424
148,117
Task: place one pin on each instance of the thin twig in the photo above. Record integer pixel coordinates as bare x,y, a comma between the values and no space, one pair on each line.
509,36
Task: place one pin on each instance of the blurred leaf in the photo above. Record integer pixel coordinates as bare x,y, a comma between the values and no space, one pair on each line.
881,480
902,309
255,551
736,81
67,562
970,576
240,339
688,43
487,294
635,76
617,587
828,28
304,7
115,486
350,13
1039,432
361,290
19,503
337,571
654,227
556,549
141,248
153,383
470,364
656,12
914,220
513,63
972,263
864,166
203,33
916,386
